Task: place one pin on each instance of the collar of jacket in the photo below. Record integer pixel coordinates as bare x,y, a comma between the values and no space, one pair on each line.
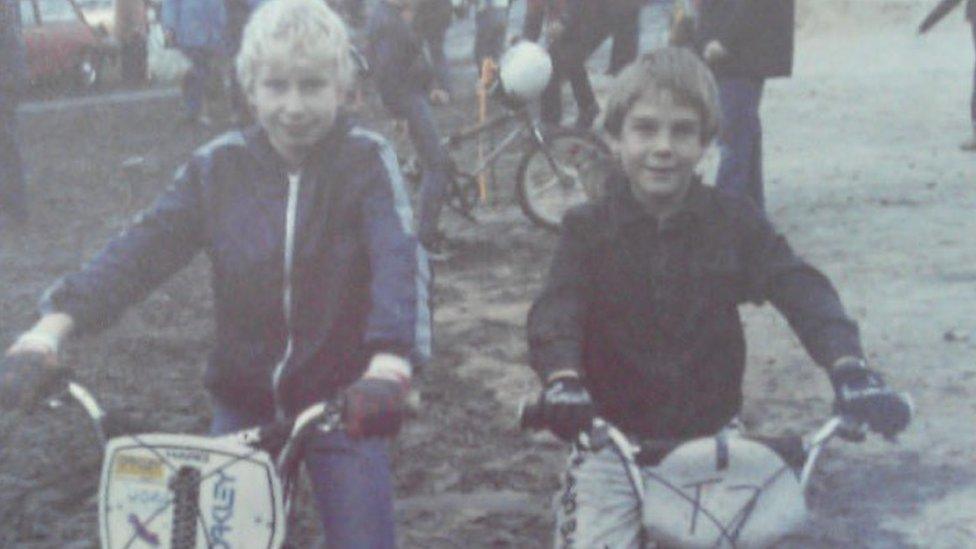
626,210
324,150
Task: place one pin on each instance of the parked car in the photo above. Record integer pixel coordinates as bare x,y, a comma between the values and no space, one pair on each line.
62,45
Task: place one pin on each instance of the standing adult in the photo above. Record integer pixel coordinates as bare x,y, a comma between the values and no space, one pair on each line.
403,78
13,74
431,22
490,28
131,29
744,42
582,27
970,144
197,28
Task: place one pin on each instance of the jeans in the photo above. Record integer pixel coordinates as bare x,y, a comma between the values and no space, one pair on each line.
740,140
13,200
433,161
196,80
491,25
434,41
350,479
972,99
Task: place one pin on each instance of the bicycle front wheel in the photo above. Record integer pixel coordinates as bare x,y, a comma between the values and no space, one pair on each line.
567,170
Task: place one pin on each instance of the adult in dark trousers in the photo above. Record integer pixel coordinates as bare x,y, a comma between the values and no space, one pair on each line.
537,14
744,42
582,27
197,28
13,75
403,78
131,30
936,15
490,28
238,12
431,22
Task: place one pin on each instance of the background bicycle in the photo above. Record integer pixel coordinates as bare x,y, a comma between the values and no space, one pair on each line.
558,168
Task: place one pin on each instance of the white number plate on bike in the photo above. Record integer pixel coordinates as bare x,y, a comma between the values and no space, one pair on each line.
177,491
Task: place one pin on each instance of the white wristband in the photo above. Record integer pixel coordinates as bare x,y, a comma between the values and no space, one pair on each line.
388,366
40,338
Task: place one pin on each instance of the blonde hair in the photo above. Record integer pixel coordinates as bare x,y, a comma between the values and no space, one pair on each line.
677,70
295,28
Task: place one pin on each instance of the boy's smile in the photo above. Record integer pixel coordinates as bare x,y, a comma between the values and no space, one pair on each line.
660,145
296,101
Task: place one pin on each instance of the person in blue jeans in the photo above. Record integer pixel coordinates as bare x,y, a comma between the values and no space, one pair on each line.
403,76
320,286
745,43
432,19
198,29
13,75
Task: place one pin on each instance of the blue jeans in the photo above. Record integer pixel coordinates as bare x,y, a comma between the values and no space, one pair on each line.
972,99
740,140
438,60
433,160
350,479
195,80
13,200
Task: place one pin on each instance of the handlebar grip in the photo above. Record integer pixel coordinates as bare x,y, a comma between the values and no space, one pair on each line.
530,416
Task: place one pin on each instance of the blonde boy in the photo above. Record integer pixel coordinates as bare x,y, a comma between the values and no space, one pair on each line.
320,286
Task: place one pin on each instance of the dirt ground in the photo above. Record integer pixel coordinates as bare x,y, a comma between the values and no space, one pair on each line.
863,176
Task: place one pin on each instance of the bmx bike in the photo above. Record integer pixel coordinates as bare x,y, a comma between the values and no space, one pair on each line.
731,490
183,491
559,168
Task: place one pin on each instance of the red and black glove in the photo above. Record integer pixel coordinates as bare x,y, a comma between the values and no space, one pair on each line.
375,407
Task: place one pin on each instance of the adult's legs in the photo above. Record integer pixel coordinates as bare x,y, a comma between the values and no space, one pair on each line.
133,59
350,479
434,161
597,506
740,141
435,45
626,37
970,144
13,200
491,25
195,81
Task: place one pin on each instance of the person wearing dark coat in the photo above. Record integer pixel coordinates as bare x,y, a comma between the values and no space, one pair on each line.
579,31
13,75
431,22
744,42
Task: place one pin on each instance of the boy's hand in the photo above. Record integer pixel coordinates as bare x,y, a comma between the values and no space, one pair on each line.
862,395
375,405
567,408
26,377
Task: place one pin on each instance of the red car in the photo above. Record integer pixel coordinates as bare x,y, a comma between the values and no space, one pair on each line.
61,45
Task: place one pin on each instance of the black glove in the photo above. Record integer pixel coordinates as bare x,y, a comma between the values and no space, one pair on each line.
567,408
25,379
374,407
862,396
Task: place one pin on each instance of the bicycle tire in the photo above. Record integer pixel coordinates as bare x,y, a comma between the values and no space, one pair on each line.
545,197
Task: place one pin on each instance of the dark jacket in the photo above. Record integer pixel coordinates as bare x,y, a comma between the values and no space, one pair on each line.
971,11
13,61
649,315
358,281
396,57
758,35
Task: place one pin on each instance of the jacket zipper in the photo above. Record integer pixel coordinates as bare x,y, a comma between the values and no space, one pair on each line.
294,186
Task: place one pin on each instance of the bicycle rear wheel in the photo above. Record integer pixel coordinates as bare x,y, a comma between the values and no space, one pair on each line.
568,170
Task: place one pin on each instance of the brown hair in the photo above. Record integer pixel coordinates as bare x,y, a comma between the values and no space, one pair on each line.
677,70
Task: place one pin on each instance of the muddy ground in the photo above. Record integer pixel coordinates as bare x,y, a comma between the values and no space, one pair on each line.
863,176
